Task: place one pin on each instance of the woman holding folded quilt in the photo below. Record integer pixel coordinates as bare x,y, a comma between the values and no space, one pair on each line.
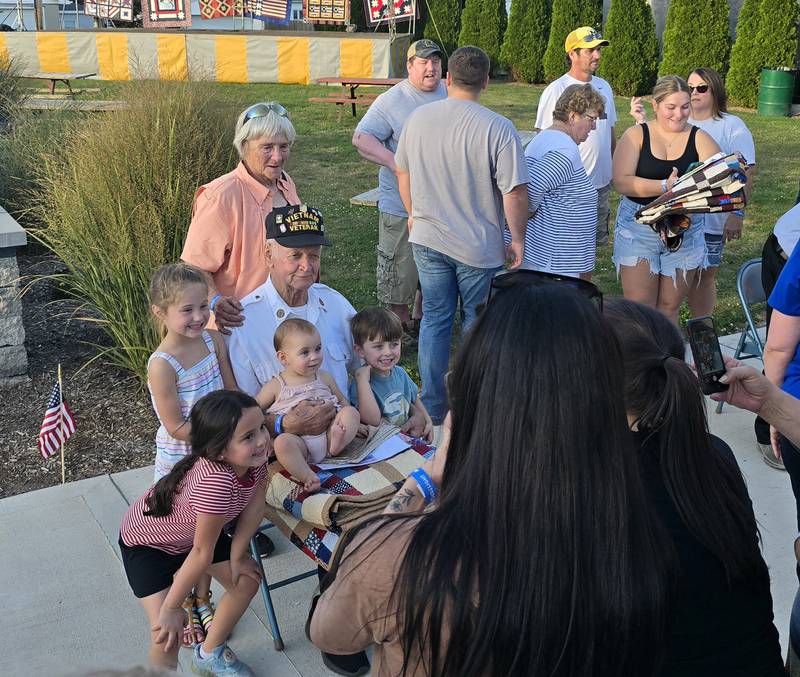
648,160
710,113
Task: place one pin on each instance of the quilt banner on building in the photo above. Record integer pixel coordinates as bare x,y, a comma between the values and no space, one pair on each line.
326,11
218,9
166,13
117,10
381,10
273,11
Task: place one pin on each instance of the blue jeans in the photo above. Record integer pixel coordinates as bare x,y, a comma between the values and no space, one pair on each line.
443,281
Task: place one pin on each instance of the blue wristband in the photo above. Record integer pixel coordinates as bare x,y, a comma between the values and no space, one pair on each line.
425,484
279,424
214,301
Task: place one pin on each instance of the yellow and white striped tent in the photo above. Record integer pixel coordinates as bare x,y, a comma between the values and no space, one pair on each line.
257,56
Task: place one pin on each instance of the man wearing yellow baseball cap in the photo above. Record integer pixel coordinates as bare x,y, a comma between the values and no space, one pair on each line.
582,47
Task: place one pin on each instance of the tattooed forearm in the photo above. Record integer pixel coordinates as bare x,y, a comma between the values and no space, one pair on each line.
403,501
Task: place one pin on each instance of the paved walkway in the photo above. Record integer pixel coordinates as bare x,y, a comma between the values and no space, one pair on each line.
68,607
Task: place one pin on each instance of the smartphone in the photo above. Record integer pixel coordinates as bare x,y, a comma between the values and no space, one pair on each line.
707,354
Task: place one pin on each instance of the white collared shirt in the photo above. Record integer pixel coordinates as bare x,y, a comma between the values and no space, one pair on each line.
250,346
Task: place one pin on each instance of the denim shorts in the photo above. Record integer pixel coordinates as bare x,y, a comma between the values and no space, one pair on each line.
714,245
634,242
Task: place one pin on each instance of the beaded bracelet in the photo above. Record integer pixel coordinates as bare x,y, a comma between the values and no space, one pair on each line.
212,304
426,486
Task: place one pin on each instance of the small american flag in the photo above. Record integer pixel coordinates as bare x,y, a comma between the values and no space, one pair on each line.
58,424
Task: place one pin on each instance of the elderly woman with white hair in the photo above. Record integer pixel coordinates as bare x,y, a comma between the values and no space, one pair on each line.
226,237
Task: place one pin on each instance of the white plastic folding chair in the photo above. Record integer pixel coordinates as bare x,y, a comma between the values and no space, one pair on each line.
751,291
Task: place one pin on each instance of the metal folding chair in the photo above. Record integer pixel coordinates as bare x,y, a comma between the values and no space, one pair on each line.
266,587
750,289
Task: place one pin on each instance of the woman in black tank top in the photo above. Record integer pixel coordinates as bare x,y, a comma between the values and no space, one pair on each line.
647,161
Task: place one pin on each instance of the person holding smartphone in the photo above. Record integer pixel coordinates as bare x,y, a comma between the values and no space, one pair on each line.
721,616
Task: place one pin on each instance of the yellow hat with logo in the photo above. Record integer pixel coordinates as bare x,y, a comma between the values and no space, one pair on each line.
584,37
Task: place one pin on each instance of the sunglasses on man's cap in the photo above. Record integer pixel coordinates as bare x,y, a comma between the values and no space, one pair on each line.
523,276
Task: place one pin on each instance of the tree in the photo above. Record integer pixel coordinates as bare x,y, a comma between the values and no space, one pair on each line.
483,24
567,16
630,61
696,35
444,23
742,78
526,39
769,44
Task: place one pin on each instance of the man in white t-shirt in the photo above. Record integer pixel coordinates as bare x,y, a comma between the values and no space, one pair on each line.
583,47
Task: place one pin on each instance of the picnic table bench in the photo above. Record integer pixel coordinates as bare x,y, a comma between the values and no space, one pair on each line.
349,95
59,77
87,106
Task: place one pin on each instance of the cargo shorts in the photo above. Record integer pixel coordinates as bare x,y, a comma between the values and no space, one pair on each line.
397,272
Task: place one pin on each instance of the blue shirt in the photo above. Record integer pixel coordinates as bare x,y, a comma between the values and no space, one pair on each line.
394,393
786,299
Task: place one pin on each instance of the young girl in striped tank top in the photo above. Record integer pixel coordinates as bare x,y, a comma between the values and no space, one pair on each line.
189,362
172,535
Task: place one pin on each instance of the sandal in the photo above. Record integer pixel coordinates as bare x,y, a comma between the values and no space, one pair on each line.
193,633
205,612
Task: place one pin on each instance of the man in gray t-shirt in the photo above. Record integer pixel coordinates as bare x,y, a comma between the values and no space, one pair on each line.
462,176
376,138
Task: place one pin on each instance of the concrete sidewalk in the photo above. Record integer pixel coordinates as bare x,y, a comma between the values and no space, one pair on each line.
69,608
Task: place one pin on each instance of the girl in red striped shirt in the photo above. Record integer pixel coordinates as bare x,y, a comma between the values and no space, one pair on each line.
173,534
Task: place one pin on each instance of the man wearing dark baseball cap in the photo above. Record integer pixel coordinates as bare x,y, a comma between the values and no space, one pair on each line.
376,138
582,47
424,49
296,226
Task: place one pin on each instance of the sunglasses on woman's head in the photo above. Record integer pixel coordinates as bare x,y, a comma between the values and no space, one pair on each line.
261,110
512,278
701,89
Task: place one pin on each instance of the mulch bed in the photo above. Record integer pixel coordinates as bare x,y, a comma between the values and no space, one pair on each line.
115,422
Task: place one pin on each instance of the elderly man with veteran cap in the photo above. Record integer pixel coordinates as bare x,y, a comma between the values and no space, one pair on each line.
583,47
376,138
295,236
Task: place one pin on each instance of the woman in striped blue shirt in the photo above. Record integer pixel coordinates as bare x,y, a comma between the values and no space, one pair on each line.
560,237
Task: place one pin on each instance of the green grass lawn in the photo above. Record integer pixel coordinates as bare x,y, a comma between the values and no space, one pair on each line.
328,171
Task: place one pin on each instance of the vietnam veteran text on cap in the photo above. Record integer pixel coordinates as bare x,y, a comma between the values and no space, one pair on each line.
424,49
583,38
296,226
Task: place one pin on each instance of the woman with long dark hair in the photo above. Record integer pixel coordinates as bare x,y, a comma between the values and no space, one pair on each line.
541,556
721,622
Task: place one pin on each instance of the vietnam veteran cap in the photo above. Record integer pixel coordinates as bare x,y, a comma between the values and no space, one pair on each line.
296,226
583,38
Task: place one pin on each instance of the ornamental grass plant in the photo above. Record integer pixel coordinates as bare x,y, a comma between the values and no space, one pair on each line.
115,203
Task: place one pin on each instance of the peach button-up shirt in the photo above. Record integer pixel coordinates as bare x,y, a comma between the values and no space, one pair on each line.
227,235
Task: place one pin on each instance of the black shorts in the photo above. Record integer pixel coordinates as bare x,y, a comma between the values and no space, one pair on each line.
150,570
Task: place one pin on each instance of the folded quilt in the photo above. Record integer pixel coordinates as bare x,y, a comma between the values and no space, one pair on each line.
348,497
714,186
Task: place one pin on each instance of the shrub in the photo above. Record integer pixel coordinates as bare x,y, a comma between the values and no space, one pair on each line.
483,24
766,37
444,23
566,17
696,34
12,92
630,61
117,202
526,39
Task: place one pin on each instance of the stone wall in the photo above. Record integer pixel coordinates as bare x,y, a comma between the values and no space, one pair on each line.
13,358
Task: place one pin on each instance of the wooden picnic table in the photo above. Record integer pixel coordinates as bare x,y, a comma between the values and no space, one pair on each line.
59,77
351,85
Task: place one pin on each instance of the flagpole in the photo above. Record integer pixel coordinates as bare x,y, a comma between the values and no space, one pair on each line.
61,420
